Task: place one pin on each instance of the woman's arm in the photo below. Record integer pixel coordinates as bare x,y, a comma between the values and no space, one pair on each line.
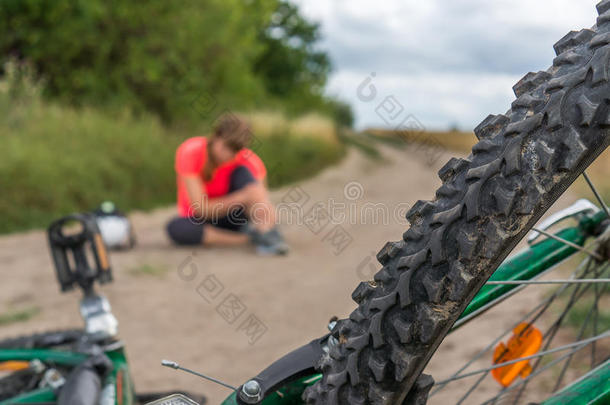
197,195
203,207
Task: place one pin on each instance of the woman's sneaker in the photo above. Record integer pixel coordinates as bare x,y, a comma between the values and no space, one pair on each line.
268,243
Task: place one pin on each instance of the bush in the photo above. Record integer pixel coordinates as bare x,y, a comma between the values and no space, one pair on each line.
58,160
290,158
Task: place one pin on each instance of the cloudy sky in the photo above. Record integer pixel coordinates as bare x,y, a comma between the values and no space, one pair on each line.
445,62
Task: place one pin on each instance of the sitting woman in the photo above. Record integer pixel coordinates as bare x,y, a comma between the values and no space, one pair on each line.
222,198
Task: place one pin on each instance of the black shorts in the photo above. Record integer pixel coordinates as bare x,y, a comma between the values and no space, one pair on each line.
189,231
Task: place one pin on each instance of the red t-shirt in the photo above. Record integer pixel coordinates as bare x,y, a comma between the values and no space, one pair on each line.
190,160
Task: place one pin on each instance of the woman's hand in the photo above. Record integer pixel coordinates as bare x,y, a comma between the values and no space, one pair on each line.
203,207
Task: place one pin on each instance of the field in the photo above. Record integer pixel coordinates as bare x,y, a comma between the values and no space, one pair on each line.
462,142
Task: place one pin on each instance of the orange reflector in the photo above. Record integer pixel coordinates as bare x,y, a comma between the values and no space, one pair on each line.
526,341
14,365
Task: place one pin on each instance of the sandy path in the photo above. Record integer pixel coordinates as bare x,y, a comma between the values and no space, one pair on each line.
172,316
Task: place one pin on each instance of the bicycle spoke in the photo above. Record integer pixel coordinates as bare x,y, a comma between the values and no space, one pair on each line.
545,304
538,310
581,333
571,244
580,285
598,293
506,296
596,193
578,292
474,387
578,344
532,375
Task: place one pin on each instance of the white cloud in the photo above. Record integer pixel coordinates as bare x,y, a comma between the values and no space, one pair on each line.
436,99
445,61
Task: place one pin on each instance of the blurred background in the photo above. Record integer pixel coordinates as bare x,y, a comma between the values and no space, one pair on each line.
95,96
101,93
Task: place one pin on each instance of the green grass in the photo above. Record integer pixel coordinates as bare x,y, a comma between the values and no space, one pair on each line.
149,270
289,159
57,160
18,315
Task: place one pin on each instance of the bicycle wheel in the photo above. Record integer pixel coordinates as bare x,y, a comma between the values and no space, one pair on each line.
524,160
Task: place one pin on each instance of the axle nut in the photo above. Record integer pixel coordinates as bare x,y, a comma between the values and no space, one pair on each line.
251,392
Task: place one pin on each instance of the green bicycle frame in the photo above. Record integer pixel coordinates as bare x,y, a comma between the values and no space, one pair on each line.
591,389
594,386
120,378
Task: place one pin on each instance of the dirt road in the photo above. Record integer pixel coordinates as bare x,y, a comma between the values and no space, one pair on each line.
229,313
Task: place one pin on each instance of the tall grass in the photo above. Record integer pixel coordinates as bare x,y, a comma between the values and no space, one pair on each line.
312,125
294,149
57,159
290,158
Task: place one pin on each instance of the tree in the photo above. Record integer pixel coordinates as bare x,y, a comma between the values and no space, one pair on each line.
154,55
175,59
290,64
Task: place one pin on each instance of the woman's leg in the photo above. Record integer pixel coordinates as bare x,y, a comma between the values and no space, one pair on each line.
219,236
253,199
260,213
189,232
185,231
259,209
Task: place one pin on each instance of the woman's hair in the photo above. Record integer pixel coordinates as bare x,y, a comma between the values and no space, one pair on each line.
234,130
236,134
